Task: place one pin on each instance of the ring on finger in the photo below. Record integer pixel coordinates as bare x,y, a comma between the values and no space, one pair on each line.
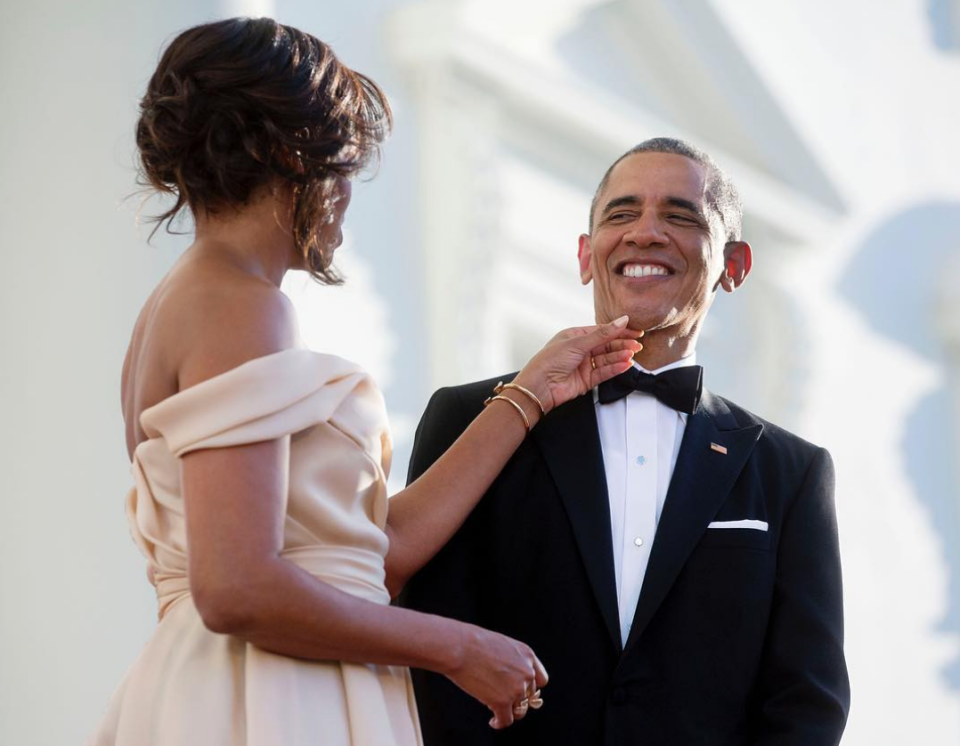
593,362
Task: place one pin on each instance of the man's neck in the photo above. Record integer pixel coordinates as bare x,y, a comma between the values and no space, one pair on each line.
661,348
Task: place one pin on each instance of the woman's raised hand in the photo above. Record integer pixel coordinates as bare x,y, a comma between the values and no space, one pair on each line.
579,358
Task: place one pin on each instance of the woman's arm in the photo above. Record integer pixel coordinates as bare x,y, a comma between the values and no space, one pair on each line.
235,503
425,515
235,500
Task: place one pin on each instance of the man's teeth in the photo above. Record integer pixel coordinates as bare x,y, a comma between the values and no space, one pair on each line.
643,270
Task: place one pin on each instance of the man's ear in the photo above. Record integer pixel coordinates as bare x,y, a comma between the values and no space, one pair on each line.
737,263
583,254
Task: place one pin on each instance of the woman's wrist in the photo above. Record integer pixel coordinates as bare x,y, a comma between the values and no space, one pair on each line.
535,392
526,406
530,407
451,653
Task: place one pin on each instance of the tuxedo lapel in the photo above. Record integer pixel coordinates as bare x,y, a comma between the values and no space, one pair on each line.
702,480
570,443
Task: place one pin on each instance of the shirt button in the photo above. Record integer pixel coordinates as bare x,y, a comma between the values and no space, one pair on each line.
638,541
641,460
619,696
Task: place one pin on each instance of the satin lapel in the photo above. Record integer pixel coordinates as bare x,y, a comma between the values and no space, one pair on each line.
570,443
701,482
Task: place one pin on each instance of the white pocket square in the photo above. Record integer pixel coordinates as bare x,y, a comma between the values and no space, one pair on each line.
755,525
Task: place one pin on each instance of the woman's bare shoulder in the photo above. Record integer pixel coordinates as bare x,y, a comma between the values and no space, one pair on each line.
200,321
226,322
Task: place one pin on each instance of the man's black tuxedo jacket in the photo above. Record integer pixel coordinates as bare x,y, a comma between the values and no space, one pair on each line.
738,634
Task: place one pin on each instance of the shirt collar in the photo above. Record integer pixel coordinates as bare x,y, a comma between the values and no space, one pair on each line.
683,362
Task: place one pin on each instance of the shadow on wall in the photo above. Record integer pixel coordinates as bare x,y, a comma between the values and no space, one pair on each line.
893,282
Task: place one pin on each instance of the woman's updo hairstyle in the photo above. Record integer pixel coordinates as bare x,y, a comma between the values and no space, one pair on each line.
237,103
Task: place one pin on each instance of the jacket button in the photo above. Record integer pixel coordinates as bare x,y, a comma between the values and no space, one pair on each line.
619,696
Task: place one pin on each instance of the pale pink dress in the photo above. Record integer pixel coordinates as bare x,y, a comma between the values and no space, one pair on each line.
192,686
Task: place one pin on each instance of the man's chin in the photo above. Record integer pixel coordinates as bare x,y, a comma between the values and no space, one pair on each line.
647,320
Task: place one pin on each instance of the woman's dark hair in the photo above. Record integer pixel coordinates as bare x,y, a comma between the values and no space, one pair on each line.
237,103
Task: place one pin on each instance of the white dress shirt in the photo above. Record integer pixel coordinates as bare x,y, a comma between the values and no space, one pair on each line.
640,438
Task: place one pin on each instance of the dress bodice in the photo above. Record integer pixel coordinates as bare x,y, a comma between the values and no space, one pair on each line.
340,447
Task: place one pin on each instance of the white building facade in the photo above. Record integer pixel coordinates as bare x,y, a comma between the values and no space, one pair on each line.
836,121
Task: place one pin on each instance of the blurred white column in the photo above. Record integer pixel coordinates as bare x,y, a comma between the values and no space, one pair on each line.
458,128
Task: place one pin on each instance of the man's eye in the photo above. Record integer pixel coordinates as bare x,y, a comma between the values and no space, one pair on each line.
683,218
619,216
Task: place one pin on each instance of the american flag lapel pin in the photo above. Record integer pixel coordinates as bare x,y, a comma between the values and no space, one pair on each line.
718,448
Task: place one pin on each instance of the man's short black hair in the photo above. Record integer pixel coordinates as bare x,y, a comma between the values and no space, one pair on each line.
722,195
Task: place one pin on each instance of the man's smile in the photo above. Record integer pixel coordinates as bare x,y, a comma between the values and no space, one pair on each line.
650,271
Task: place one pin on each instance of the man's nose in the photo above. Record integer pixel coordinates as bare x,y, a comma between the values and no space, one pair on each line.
646,231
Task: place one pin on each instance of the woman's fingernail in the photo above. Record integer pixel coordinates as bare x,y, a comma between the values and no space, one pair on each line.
622,321
641,334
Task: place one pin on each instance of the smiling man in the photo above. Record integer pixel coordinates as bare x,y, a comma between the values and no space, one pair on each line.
670,557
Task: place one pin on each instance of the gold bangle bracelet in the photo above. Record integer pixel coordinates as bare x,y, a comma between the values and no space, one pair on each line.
517,387
526,422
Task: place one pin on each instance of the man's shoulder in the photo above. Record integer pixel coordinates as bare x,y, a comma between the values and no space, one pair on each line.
472,395
773,437
449,412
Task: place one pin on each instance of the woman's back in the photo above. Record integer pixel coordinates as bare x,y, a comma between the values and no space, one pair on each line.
206,300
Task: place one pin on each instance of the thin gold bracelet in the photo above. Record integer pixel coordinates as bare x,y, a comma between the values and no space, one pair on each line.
526,422
501,386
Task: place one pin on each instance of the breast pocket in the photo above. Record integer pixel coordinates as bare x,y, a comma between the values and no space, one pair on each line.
746,538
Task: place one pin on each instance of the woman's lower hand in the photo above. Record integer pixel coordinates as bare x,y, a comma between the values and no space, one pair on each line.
578,359
498,671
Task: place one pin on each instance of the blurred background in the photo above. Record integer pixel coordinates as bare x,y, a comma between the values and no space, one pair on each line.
837,118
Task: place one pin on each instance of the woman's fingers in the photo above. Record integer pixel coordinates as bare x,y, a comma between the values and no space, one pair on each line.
618,358
589,337
580,358
599,362
505,714
604,339
520,709
609,365
540,673
630,338
617,345
502,717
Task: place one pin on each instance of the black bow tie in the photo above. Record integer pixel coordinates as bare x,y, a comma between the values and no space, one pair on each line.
678,388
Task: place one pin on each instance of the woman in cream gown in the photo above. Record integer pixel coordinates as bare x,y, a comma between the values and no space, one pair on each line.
259,467
189,682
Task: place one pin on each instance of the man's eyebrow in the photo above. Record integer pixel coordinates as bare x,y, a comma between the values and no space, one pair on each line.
621,202
685,204
631,200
